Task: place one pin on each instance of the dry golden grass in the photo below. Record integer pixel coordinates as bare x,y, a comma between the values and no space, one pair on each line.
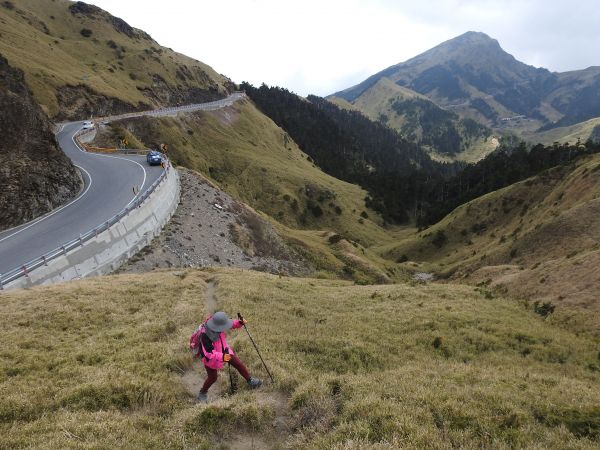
98,363
249,157
570,134
62,56
537,239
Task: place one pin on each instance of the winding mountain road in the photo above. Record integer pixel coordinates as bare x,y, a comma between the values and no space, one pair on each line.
108,187
109,182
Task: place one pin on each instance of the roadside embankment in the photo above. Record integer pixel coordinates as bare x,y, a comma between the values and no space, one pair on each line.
111,248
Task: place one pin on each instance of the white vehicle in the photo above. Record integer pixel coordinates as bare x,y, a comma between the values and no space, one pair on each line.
88,125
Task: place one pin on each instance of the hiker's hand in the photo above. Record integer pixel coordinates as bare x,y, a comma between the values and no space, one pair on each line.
243,321
226,357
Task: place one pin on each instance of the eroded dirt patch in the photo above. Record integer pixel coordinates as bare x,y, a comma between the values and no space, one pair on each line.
210,228
271,435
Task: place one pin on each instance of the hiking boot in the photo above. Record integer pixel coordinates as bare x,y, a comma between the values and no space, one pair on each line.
254,383
202,397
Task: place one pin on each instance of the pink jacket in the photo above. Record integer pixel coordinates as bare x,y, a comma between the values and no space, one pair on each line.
213,351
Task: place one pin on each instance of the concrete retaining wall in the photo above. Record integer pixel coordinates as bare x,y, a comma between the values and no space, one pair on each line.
108,251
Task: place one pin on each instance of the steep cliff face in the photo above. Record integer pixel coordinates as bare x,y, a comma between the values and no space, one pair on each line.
35,175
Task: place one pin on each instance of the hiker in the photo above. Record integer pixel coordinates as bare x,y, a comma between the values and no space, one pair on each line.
209,343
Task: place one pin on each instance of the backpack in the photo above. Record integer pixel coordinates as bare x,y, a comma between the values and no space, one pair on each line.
195,344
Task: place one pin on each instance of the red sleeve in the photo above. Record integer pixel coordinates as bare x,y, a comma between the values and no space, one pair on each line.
237,324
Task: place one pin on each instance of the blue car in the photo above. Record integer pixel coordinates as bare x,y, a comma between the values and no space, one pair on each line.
154,158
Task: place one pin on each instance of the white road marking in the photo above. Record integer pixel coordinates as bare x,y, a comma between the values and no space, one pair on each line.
217,104
41,219
114,157
56,211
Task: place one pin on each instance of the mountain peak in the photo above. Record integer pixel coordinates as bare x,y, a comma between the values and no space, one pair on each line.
474,38
474,35
467,42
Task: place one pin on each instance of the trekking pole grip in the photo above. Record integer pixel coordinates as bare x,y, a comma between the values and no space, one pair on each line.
240,317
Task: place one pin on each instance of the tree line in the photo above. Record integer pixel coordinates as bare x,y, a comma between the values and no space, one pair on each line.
403,183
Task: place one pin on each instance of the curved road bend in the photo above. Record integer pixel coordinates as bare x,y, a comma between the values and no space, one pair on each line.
108,188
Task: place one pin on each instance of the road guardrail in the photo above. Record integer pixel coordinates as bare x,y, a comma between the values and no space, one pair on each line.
43,260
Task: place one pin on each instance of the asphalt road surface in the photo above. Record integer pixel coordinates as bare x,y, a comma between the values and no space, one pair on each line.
109,182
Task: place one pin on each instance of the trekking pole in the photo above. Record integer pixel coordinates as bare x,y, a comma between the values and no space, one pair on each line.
255,347
232,388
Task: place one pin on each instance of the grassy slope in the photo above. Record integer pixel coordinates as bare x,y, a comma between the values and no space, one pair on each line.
377,101
64,56
342,103
476,152
97,364
571,134
252,159
238,152
537,239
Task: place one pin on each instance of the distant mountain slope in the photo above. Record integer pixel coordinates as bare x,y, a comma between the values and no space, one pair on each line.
350,146
420,120
79,60
590,129
35,176
475,77
537,238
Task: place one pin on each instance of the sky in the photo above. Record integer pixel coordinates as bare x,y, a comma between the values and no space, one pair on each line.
323,46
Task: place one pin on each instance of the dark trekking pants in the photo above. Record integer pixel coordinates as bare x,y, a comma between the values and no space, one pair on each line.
213,373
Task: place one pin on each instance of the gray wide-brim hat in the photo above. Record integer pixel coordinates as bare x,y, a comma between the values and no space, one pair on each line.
219,322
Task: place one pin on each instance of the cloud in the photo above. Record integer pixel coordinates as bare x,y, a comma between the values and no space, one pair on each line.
319,47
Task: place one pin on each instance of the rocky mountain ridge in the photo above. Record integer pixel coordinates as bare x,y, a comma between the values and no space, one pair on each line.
79,60
473,76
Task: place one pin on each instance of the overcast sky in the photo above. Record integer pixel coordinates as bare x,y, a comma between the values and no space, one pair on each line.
322,46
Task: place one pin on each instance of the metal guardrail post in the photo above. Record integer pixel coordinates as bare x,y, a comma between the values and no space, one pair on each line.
44,259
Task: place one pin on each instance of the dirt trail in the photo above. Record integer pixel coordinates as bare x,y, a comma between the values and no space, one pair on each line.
211,299
280,429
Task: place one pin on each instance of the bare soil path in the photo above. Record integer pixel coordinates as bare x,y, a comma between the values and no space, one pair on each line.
266,396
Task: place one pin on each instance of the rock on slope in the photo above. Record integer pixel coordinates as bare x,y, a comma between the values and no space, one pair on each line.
35,175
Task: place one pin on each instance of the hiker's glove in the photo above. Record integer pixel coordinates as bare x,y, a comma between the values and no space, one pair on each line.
226,357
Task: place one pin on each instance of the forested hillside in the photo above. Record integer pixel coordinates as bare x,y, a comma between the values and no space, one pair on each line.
440,131
349,146
403,183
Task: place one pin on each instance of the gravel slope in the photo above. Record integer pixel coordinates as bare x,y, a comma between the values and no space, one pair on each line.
210,228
